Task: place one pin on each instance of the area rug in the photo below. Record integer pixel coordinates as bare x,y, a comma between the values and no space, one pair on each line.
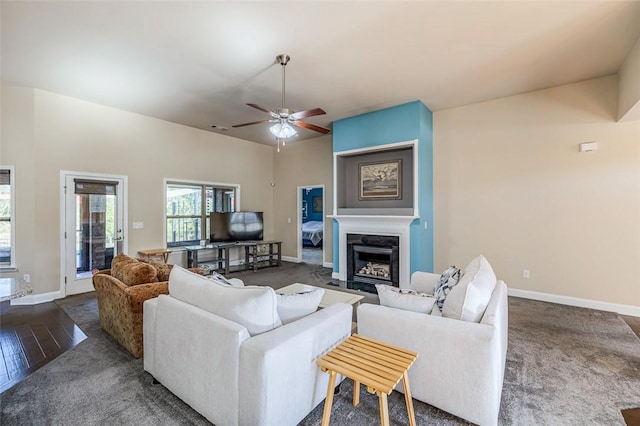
565,366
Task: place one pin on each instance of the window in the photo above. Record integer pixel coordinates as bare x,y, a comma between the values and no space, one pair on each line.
188,207
95,224
7,223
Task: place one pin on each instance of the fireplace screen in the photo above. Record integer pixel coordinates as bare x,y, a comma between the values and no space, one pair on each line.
372,259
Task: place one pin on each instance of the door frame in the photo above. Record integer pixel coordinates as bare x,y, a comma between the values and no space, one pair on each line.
64,174
299,217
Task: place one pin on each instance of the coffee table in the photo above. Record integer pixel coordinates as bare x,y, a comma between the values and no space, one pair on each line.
331,297
375,364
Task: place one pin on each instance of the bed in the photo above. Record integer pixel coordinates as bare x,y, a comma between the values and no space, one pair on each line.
312,231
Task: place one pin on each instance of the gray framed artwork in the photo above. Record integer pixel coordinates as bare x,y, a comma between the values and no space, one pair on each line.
380,180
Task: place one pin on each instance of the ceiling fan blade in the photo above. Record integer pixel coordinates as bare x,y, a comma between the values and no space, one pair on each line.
310,126
308,113
253,122
271,113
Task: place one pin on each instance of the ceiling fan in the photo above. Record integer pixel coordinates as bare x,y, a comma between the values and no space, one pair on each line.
284,117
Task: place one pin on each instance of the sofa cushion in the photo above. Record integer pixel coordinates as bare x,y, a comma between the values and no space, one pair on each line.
294,306
408,300
254,307
132,272
469,298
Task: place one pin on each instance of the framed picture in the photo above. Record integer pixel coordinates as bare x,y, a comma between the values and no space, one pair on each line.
316,203
381,180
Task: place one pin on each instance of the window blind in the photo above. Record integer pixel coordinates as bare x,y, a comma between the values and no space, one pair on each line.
101,187
5,177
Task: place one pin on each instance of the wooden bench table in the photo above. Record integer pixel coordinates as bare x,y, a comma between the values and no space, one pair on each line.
163,253
375,364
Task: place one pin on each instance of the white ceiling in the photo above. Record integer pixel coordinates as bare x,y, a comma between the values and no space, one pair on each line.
198,63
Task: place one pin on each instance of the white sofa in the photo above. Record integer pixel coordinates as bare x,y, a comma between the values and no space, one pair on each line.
460,367
233,372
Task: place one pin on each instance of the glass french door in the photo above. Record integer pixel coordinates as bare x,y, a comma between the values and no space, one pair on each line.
94,231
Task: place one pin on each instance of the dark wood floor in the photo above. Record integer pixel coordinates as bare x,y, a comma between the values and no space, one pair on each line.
633,322
30,337
631,416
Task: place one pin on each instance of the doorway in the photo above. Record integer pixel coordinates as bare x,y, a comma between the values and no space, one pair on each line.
311,224
93,227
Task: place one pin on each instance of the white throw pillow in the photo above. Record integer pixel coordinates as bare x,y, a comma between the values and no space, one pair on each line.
294,306
254,307
469,298
407,300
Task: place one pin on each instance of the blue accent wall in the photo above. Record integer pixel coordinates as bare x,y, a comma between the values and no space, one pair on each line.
395,124
400,123
308,195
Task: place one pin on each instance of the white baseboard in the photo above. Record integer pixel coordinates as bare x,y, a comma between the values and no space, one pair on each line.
34,299
576,301
297,260
335,275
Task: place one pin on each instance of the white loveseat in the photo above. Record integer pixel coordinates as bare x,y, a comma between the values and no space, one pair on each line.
460,367
243,368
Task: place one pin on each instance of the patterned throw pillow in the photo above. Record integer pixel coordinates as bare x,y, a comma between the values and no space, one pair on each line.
119,263
163,269
132,272
448,279
219,277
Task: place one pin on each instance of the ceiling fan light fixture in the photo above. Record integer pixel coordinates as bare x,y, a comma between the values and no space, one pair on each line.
286,120
282,130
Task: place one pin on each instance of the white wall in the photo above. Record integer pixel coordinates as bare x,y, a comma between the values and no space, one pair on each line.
510,183
303,163
17,149
44,133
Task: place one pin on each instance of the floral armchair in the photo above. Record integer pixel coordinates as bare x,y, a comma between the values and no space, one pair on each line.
122,290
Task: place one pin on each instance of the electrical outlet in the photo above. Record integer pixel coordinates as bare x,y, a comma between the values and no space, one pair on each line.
526,273
26,278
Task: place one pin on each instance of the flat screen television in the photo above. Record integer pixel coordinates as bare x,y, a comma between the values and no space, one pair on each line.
236,226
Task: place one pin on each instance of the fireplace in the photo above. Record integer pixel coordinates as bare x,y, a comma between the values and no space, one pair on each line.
387,226
373,259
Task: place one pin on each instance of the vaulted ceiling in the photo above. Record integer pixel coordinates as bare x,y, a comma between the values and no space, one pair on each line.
199,63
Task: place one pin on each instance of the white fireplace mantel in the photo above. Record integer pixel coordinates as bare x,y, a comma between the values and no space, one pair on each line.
376,225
